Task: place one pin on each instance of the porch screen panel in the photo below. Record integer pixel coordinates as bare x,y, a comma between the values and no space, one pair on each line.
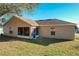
20,31
26,31
23,31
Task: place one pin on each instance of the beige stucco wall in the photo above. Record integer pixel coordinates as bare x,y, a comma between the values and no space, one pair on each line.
44,31
65,32
14,24
61,32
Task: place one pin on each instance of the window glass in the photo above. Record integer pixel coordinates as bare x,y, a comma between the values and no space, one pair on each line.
52,30
10,30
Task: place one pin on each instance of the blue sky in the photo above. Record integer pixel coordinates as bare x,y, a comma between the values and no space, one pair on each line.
63,11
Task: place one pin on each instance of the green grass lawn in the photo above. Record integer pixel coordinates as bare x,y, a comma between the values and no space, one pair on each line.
43,46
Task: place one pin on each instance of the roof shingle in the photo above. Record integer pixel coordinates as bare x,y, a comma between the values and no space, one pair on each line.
31,22
53,22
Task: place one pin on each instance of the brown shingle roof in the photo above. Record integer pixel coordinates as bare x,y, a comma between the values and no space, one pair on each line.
31,22
53,22
42,22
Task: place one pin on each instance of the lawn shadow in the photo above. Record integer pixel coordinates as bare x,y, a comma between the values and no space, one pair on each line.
41,41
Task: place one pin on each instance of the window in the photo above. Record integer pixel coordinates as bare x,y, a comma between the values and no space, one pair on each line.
23,31
10,30
52,30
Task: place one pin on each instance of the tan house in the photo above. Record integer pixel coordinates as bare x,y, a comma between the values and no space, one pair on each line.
26,28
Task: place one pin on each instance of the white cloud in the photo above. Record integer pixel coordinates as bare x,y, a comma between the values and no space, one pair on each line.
75,21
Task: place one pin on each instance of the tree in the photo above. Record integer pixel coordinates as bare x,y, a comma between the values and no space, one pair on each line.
9,9
4,20
16,8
